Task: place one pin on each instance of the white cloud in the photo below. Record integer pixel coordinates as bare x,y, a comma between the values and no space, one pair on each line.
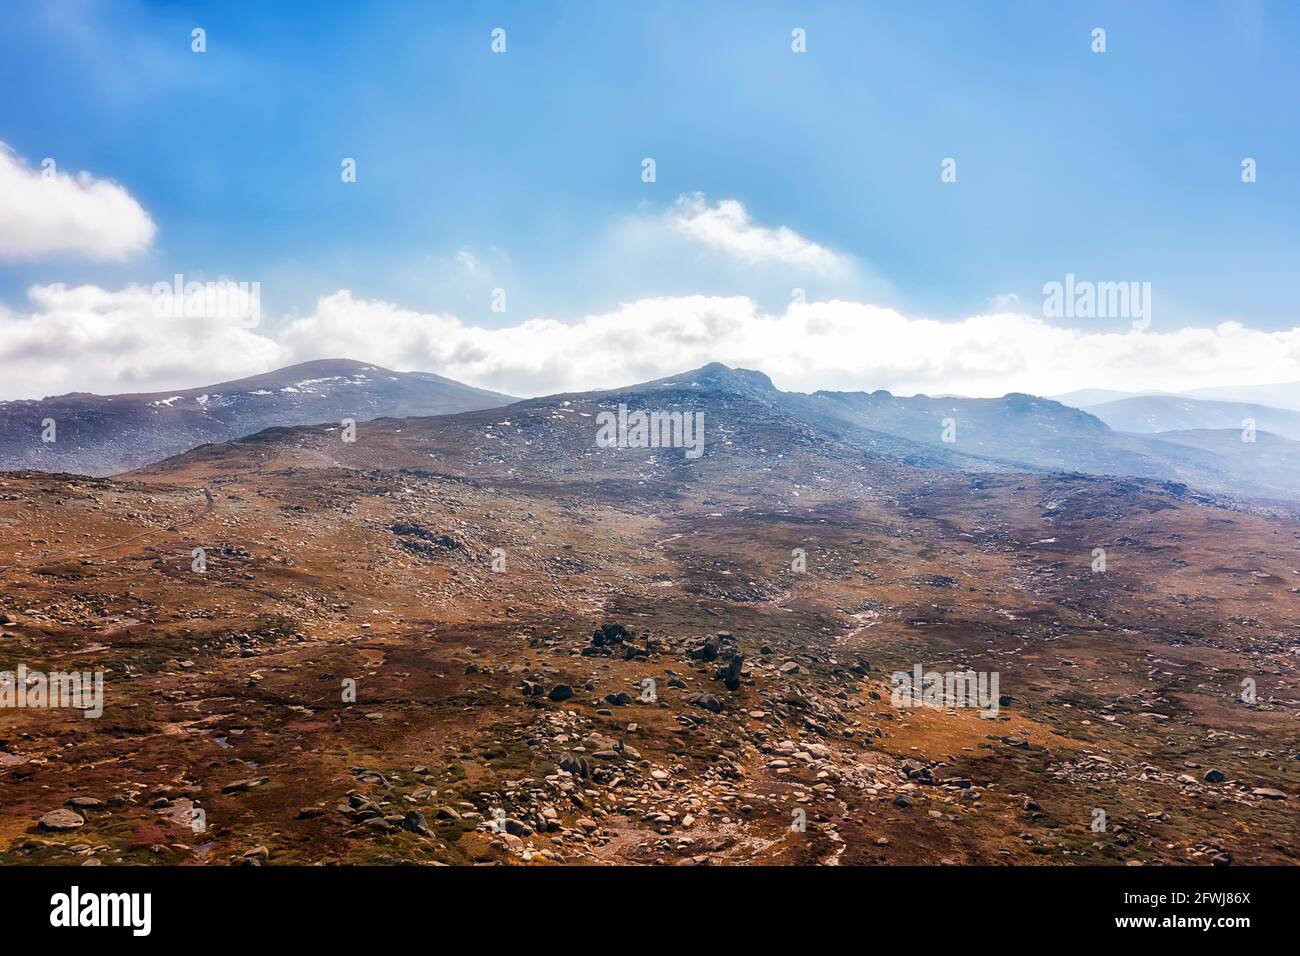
837,344
728,229
85,338
88,338
45,213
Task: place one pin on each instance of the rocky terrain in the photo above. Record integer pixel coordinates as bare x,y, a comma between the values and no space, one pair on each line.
107,434
480,638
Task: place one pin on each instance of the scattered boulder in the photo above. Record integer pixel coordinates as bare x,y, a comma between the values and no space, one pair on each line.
62,820
420,540
707,701
517,827
578,766
610,634
560,692
708,651
730,675
414,821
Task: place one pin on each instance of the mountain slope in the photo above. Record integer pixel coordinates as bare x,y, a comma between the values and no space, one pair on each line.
754,435
1087,397
1276,395
1158,413
774,439
1269,460
1035,434
503,587
107,434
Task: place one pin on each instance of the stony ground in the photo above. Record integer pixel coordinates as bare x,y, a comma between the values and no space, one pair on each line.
499,621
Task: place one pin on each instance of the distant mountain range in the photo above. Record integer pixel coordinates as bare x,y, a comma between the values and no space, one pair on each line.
108,434
754,429
1278,395
1284,395
1193,443
1160,413
1040,434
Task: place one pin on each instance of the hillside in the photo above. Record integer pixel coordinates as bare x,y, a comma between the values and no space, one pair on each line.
108,434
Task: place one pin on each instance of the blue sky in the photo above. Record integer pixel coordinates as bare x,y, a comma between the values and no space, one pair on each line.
1123,165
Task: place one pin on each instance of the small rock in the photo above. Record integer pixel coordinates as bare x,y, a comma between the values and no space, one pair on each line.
239,786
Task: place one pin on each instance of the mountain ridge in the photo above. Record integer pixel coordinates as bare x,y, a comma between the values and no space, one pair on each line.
758,423
108,434
1154,414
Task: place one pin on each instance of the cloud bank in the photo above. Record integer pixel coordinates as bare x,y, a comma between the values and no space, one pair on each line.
45,212
87,338
90,339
